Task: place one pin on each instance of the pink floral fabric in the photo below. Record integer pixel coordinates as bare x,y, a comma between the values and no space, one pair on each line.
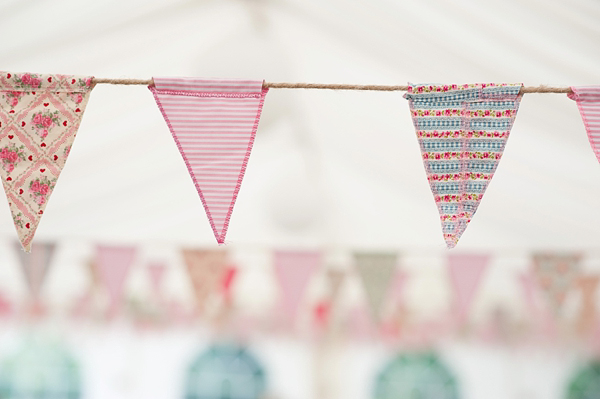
39,118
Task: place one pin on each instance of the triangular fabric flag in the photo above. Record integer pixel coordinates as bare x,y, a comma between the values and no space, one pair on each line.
588,285
528,285
206,269
213,122
156,270
336,279
556,275
588,102
462,131
376,271
465,275
39,118
35,266
113,264
293,270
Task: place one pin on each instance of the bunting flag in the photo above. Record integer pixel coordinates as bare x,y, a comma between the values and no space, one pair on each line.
588,102
376,271
466,272
213,122
35,267
293,271
206,269
556,275
113,264
156,271
588,286
39,118
462,131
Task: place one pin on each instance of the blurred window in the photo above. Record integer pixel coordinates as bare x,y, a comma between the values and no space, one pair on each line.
41,372
415,376
225,372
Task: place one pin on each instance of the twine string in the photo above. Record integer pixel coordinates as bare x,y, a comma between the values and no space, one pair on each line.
330,86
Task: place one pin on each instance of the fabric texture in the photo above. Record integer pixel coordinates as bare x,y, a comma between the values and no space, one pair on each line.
466,272
462,131
113,265
206,269
35,267
39,118
588,102
556,275
293,270
376,270
213,122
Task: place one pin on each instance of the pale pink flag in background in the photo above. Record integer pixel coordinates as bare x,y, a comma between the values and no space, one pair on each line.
213,122
294,270
113,264
35,267
466,272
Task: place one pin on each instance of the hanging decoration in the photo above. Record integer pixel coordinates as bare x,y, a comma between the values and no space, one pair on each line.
588,102
466,272
462,131
588,285
556,275
213,122
39,118
35,268
206,270
376,271
293,270
113,265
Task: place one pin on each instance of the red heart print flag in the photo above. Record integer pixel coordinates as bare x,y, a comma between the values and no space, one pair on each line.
213,122
39,118
588,102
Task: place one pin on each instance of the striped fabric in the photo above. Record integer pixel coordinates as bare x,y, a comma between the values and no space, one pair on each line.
213,122
462,131
588,102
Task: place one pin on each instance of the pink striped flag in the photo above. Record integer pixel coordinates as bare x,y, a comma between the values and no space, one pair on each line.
465,273
213,122
294,270
113,265
588,102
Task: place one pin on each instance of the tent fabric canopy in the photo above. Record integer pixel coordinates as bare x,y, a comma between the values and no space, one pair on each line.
328,168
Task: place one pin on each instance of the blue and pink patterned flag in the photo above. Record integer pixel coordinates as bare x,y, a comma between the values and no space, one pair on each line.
462,131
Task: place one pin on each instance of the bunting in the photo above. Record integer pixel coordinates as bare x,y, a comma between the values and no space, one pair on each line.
206,270
556,275
39,118
588,102
462,131
213,122
466,272
293,270
376,271
113,264
588,285
35,267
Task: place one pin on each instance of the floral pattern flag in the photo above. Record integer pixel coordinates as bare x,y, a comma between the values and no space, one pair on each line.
39,118
462,131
